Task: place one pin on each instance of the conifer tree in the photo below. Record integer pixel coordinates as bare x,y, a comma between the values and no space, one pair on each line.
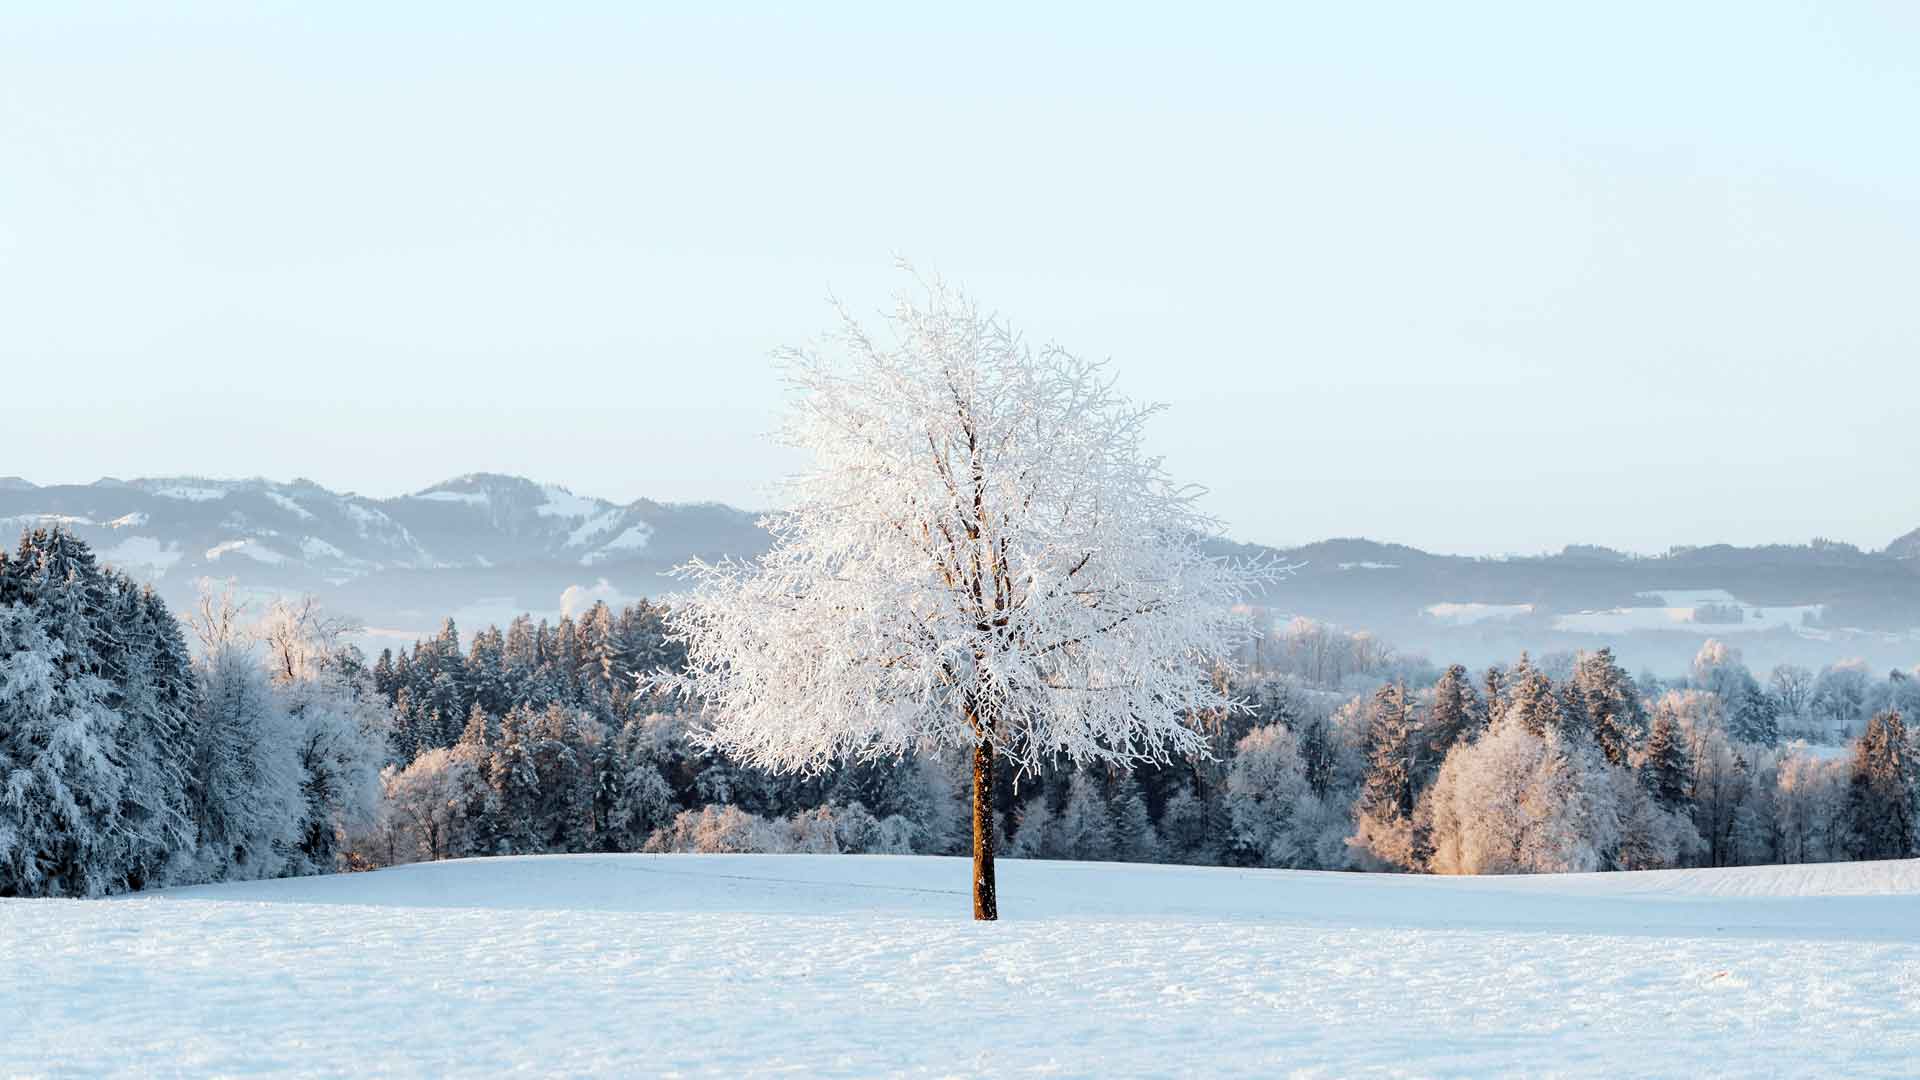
1085,824
1134,837
1388,793
1455,714
1666,767
1883,789
1612,704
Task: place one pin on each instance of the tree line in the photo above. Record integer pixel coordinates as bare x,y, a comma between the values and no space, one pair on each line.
129,759
127,763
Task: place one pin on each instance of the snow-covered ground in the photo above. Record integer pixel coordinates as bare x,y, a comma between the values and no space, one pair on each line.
1682,610
869,965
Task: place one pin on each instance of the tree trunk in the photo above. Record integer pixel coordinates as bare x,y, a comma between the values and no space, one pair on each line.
986,902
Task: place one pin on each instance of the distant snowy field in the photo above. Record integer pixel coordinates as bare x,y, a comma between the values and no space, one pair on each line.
869,965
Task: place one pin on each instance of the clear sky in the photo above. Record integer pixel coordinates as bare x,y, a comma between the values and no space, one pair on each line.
1475,277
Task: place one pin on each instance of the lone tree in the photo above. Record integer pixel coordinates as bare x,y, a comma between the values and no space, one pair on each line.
981,556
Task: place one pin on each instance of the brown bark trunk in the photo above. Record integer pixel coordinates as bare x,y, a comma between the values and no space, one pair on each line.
986,902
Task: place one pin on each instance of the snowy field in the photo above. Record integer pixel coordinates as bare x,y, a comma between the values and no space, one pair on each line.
868,965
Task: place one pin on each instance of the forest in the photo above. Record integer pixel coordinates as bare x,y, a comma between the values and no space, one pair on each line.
139,750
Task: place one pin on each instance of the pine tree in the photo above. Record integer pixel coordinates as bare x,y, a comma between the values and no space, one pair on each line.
1134,837
1387,796
1531,702
1036,836
1754,717
1666,767
61,830
1612,704
1184,832
1882,791
1085,824
1318,754
1455,714
486,672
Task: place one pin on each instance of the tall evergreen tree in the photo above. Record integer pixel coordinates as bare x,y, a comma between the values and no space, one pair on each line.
1665,766
1455,714
1883,789
1612,704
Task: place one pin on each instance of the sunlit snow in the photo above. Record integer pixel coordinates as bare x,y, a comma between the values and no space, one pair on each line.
563,503
289,505
869,965
1713,611
142,556
1469,613
252,549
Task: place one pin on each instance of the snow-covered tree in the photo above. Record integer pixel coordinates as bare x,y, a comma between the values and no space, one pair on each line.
1611,703
1384,831
1184,833
339,725
1666,769
427,805
94,717
1883,796
1455,713
1811,807
1514,801
1037,831
1134,837
246,794
982,556
1085,824
1271,805
61,787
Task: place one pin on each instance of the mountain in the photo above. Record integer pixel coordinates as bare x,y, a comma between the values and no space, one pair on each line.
499,541
483,547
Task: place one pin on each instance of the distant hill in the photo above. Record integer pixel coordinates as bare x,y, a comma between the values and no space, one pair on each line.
484,546
400,563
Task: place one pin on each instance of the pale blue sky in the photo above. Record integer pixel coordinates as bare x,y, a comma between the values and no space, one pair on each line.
1473,277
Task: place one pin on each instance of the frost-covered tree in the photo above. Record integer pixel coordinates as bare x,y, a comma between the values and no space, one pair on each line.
1184,832
246,796
1454,714
1271,805
1840,697
1085,824
982,556
636,799
61,783
1134,837
1036,831
338,722
1791,688
1883,796
1810,806
1666,769
1384,817
94,718
1514,801
1611,703
426,805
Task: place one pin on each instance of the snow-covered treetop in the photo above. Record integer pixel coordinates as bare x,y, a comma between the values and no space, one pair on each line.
982,551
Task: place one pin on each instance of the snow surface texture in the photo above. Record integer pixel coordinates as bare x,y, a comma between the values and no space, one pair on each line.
735,965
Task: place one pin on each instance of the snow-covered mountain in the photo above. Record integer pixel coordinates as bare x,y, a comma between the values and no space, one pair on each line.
401,562
483,546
